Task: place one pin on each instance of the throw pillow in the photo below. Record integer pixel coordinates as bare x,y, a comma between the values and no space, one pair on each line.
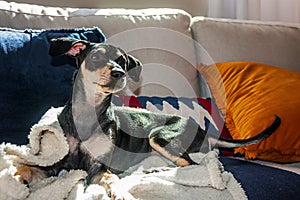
30,81
252,94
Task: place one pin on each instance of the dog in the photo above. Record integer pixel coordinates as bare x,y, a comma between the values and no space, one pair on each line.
128,135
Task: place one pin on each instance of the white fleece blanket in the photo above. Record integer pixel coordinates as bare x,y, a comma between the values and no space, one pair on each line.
153,178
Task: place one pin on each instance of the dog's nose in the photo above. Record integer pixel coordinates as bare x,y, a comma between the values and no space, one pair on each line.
117,73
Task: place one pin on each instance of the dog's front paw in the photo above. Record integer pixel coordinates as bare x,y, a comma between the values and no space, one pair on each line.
29,175
109,182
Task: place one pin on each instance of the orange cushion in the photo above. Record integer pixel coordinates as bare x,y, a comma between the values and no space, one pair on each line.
249,95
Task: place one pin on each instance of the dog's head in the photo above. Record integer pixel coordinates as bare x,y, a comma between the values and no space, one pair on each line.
103,68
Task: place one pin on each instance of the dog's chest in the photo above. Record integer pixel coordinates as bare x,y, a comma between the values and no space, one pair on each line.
98,144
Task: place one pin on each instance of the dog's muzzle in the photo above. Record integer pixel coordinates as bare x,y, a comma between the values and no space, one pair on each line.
118,80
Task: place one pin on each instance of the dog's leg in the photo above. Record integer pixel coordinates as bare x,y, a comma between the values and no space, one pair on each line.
107,180
29,175
171,150
172,139
116,191
99,174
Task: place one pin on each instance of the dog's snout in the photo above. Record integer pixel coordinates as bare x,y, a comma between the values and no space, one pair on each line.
117,73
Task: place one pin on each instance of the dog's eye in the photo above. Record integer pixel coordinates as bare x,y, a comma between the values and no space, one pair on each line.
96,56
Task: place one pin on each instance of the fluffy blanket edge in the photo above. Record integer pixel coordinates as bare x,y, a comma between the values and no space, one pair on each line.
153,178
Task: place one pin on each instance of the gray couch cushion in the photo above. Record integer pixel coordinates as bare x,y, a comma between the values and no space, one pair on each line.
224,40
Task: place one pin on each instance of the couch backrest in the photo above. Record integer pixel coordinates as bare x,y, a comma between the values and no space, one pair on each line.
221,40
160,38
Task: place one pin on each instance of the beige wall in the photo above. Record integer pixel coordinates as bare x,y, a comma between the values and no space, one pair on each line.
194,7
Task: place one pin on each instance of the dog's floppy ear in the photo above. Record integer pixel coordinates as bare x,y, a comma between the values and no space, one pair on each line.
134,68
68,46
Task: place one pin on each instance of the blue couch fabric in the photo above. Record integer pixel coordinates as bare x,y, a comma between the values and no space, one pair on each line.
30,80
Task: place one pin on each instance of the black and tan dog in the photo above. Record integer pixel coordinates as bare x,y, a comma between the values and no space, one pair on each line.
128,135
